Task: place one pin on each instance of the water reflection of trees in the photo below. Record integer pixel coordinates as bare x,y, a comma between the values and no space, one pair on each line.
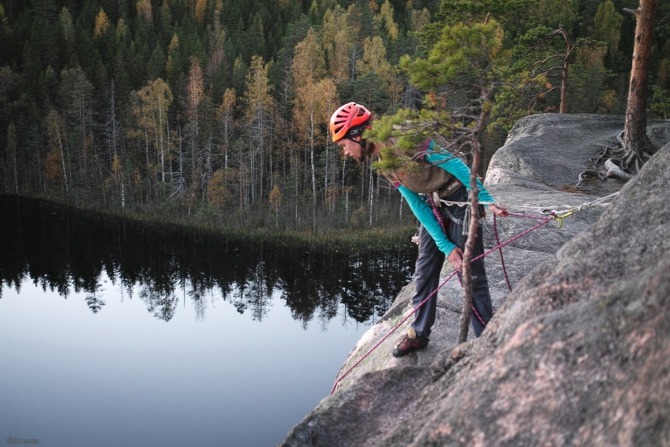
67,250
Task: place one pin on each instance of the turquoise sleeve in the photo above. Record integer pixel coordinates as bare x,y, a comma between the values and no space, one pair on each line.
455,166
424,213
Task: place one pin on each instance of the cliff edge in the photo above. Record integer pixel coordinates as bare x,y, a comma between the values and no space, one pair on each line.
577,354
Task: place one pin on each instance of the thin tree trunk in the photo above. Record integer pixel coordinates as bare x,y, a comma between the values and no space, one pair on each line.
181,157
11,144
325,185
225,147
311,157
371,193
16,172
362,183
346,207
160,141
262,151
146,150
466,313
564,75
123,196
62,155
344,167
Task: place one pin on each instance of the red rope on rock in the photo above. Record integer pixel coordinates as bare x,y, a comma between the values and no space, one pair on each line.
545,220
474,310
502,260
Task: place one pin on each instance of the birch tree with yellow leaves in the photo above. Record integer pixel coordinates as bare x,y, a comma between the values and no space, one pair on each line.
259,112
307,69
155,99
195,95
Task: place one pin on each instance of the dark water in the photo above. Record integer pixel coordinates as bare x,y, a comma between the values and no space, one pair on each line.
114,332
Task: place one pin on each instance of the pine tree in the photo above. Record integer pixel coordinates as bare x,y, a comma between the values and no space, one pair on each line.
635,130
101,24
145,11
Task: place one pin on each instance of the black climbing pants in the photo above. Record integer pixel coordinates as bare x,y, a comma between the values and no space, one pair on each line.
427,274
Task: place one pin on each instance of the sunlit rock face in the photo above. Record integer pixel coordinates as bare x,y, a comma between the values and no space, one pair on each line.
577,354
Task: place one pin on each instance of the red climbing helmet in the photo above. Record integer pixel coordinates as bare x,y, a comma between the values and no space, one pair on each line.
346,118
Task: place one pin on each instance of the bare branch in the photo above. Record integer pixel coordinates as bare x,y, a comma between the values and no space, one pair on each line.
614,171
588,173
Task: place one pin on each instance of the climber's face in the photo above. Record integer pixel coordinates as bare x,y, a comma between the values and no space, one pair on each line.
352,148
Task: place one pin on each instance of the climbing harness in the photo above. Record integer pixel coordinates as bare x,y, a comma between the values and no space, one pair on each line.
465,222
549,215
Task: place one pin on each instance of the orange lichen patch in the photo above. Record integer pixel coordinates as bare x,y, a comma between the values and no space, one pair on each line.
639,338
480,439
510,423
644,402
534,410
557,345
506,393
526,332
441,431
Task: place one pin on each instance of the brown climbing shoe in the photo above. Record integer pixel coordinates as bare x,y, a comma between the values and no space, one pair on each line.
409,343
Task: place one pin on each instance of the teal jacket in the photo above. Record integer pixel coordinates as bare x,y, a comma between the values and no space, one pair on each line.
423,211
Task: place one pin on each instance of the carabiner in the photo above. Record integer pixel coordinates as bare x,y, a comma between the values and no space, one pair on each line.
560,217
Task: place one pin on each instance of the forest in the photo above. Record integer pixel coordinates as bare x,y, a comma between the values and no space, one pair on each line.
216,111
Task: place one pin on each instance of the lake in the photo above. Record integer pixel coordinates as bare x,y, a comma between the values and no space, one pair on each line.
116,332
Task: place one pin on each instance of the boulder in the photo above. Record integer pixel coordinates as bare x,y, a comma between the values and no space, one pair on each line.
578,353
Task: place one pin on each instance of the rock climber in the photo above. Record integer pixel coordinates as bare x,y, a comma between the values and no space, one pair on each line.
442,174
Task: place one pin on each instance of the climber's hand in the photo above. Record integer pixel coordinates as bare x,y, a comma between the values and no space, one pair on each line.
499,210
456,258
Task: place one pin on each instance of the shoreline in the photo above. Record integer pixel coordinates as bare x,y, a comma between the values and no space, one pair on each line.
361,239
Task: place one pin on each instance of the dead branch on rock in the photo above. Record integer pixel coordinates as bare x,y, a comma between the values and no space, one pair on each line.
615,166
604,152
588,173
615,171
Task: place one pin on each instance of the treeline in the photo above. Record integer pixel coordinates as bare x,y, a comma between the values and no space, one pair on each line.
217,110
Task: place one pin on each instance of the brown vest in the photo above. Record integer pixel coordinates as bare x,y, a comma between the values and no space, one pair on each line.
429,178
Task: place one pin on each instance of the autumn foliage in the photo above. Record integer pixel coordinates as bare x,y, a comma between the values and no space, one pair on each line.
210,109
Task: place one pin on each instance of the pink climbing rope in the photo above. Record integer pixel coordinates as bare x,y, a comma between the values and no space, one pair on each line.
474,310
544,220
502,260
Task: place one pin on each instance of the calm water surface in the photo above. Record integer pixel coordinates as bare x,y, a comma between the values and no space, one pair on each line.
118,333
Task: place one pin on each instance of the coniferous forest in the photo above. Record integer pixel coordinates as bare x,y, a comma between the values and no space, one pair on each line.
216,111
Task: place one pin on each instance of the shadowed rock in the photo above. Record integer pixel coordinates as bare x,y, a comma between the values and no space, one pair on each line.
578,354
